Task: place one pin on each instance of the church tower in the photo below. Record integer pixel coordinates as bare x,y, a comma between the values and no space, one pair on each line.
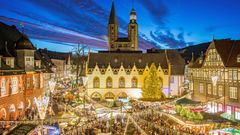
133,30
112,28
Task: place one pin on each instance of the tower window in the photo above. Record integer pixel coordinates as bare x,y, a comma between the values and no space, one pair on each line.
238,58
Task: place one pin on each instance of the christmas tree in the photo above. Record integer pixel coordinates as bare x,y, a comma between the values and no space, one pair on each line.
152,89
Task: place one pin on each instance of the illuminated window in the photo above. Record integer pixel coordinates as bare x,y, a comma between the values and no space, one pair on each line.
220,107
238,75
201,88
233,92
235,77
209,89
230,75
36,82
238,58
28,83
121,82
214,90
220,90
229,109
237,113
29,61
14,85
109,82
3,87
134,82
96,82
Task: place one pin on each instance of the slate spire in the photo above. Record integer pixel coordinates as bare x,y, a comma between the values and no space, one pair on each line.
112,17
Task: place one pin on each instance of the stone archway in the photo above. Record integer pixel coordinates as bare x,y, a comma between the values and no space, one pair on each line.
109,95
12,112
20,110
28,107
34,106
96,96
3,114
122,95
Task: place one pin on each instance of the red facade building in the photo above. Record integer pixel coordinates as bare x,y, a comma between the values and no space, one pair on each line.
21,74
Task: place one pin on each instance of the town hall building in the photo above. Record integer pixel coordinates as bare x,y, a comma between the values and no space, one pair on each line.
119,72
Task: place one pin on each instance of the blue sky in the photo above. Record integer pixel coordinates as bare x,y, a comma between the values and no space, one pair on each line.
62,24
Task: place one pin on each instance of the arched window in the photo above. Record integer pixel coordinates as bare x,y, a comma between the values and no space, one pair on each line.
109,95
121,82
134,82
109,82
96,96
96,82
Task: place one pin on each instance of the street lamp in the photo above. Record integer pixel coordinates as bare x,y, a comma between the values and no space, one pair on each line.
42,105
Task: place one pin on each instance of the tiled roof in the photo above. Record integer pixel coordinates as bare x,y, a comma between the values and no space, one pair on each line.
228,51
24,43
11,40
116,59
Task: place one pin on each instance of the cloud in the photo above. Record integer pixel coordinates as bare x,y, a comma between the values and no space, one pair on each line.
84,21
168,40
157,9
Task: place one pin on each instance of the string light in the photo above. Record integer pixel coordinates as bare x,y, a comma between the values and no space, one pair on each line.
42,105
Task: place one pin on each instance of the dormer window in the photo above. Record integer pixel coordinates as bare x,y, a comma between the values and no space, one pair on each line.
29,61
9,61
238,58
38,63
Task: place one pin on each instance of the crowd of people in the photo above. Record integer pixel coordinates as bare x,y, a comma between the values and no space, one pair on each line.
154,123
113,125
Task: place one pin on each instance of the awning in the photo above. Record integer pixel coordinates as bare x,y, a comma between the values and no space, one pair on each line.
186,101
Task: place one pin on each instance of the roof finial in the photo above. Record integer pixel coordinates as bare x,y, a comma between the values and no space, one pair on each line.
22,25
213,37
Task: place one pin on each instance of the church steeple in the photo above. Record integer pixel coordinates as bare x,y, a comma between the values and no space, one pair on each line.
112,28
133,29
112,17
133,16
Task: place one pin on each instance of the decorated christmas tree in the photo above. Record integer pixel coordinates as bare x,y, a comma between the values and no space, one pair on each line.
152,87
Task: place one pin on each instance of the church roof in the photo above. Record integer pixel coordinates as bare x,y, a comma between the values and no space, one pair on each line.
112,17
116,59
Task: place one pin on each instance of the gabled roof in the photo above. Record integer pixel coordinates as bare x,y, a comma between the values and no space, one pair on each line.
127,60
24,43
112,17
228,51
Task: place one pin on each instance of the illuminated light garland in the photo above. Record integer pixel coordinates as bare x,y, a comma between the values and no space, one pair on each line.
52,85
42,105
